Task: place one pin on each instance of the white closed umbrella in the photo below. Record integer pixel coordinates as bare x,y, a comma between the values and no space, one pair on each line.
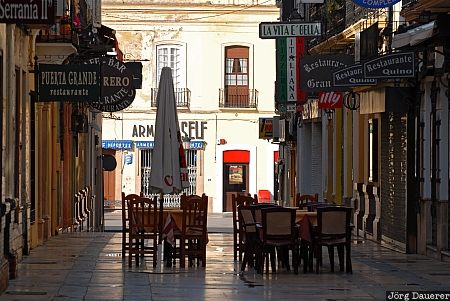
168,174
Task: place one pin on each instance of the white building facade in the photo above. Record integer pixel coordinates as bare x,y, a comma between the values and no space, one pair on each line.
224,79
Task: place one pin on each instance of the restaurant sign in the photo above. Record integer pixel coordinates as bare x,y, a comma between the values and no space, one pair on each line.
375,3
265,128
68,82
27,11
317,71
391,66
272,30
352,76
117,89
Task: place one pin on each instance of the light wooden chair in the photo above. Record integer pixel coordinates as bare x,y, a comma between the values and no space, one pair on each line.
143,229
194,234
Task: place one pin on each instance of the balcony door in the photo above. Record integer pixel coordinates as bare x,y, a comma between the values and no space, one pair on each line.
236,77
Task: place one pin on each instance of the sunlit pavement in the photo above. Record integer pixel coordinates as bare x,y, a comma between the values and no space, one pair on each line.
89,266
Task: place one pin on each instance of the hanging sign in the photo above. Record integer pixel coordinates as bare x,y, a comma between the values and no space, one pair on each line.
27,11
289,54
272,30
331,100
265,128
352,76
317,71
375,3
68,82
117,89
391,66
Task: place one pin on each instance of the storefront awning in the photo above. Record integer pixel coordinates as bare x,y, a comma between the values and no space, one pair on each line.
414,36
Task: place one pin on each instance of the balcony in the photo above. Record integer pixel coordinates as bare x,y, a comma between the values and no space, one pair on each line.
238,97
332,15
60,32
412,9
182,97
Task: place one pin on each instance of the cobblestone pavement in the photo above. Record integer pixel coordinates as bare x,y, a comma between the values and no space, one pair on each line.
88,266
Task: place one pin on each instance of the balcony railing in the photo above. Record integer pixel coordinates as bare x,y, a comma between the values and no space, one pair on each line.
182,97
60,32
332,18
236,97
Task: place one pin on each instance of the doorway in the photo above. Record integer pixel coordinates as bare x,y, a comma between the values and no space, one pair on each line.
109,183
235,176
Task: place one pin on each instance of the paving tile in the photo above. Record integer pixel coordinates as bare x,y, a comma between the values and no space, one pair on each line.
89,266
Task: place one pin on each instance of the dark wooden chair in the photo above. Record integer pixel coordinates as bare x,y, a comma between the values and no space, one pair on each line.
250,238
307,201
239,200
125,220
278,230
194,234
333,230
143,229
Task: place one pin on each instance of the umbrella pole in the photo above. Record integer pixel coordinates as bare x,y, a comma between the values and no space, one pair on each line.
161,226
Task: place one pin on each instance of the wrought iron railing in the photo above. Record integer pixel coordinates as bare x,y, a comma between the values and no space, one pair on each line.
234,97
332,16
60,32
182,97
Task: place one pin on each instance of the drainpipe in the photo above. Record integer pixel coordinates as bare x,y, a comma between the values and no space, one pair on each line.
434,148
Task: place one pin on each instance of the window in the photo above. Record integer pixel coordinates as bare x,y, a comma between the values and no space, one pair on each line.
237,72
170,55
236,92
173,56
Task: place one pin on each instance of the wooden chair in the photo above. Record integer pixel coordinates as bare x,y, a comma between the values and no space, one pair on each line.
239,200
256,210
245,214
306,201
143,229
125,221
194,235
333,230
277,230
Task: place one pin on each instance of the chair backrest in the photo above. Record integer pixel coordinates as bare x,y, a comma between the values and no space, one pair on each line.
334,221
278,223
256,209
126,199
143,214
246,218
303,200
195,212
241,200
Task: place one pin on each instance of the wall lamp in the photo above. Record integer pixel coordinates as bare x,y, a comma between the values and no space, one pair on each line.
329,113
